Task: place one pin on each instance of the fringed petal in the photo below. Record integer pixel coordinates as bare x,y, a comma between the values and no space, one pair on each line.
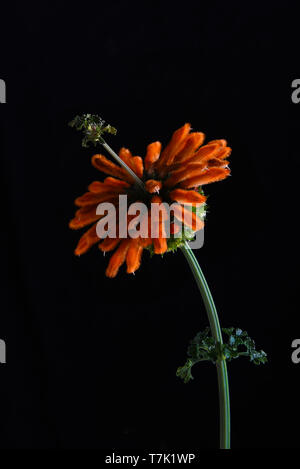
160,243
174,146
109,184
187,197
162,212
158,226
224,153
207,151
181,174
84,216
134,254
117,259
126,156
217,163
139,166
152,155
211,175
193,142
87,241
221,142
109,244
145,242
188,218
91,198
113,182
108,167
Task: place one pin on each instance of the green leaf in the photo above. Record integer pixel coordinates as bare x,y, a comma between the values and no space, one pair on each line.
93,127
203,348
184,372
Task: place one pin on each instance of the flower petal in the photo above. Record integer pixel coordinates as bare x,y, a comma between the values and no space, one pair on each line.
134,254
126,156
84,216
145,242
160,243
109,184
193,142
113,182
108,167
187,197
224,152
117,259
157,221
221,142
87,241
152,155
91,198
173,146
211,175
162,212
181,174
139,166
188,218
217,163
109,244
214,149
205,152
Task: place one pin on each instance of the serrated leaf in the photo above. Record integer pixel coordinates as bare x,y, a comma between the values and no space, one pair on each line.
93,128
204,348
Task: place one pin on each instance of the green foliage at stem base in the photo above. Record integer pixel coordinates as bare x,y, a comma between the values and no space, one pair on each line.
203,348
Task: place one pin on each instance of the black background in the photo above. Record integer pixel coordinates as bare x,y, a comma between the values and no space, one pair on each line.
91,362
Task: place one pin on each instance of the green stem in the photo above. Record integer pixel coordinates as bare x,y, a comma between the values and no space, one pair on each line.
217,335
212,316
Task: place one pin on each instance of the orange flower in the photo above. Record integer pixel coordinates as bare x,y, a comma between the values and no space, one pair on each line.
176,174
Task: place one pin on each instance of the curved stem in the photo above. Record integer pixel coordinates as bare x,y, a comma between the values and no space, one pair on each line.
217,335
212,316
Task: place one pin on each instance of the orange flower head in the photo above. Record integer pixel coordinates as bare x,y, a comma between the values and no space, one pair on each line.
175,174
